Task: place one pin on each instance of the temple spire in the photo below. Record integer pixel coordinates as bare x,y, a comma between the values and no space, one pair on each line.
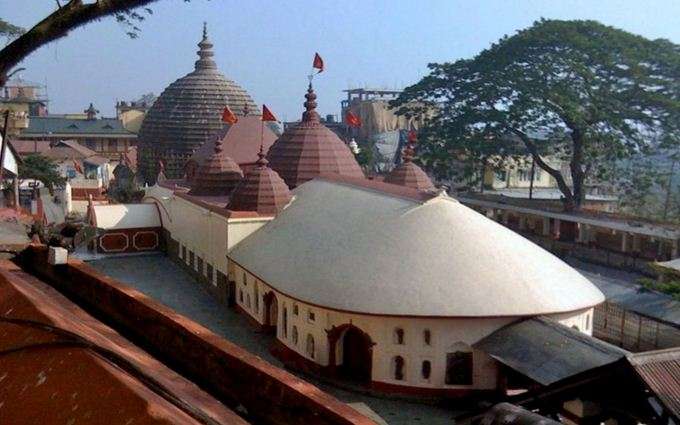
409,151
261,160
310,113
205,52
218,146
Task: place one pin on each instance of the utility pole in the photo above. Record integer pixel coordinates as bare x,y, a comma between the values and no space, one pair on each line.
531,182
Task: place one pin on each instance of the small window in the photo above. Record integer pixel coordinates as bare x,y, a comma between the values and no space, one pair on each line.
257,300
295,335
426,369
210,274
284,324
199,266
184,253
427,337
310,346
399,336
248,300
191,259
459,368
240,296
398,368
245,281
295,310
311,316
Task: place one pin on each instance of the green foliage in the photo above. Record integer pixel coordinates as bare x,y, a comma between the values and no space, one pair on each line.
10,31
578,91
41,168
671,288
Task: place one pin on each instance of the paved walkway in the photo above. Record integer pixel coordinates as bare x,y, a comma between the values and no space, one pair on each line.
163,280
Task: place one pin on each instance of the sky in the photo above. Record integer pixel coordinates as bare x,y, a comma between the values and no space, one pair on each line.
267,47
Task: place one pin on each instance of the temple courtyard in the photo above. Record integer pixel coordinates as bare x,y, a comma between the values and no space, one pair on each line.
158,277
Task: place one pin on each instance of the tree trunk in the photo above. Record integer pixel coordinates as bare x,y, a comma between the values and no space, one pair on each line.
57,25
576,168
570,202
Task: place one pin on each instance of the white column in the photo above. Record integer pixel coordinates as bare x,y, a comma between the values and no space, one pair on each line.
546,226
557,228
624,242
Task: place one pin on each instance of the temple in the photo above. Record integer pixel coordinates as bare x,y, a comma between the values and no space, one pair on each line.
187,114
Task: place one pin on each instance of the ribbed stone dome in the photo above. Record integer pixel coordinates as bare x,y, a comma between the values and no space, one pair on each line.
408,173
262,190
187,114
217,176
310,149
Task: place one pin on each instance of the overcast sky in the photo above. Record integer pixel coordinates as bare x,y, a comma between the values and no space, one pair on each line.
267,46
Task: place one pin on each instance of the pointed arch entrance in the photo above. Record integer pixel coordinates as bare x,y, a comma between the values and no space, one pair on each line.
271,311
355,349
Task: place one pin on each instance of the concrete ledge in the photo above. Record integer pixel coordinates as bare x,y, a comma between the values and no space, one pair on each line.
236,377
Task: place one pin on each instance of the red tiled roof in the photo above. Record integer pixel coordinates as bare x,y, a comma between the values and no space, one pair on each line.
410,175
217,176
60,365
262,190
310,149
26,147
240,141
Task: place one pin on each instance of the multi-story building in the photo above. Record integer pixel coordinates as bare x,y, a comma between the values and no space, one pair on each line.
106,136
23,99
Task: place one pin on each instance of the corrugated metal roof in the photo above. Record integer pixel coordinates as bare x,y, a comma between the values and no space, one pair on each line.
660,371
72,126
639,299
546,351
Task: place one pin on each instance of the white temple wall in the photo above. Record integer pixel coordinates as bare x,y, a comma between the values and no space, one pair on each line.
209,235
447,335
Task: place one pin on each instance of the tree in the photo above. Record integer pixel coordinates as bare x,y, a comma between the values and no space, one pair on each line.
575,90
8,30
39,167
72,14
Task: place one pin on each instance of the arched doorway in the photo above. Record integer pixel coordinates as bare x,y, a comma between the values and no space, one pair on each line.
356,349
271,311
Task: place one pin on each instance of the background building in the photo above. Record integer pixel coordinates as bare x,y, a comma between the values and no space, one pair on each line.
105,136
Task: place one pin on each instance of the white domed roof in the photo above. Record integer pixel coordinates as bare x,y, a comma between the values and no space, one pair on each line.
350,246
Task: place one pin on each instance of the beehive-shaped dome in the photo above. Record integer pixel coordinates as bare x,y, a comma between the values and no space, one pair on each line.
217,176
187,114
262,190
408,173
310,149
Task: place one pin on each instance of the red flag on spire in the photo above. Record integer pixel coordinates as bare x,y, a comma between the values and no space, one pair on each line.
228,116
318,63
77,167
352,120
267,114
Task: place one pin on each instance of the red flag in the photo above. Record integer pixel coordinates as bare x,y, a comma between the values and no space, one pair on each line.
267,114
352,120
77,166
318,63
412,136
228,116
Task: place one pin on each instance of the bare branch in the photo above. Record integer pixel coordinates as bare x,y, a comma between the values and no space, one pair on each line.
58,24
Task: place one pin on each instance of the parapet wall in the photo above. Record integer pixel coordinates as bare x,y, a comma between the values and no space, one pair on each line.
236,377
